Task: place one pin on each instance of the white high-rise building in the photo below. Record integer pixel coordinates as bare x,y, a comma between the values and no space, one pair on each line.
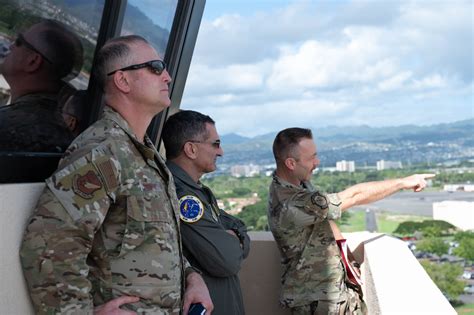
345,166
244,170
385,165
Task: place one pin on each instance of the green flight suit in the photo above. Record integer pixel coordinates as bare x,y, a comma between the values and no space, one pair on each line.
210,249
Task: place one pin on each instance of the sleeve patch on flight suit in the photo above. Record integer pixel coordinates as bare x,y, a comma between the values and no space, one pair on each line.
86,185
191,208
319,200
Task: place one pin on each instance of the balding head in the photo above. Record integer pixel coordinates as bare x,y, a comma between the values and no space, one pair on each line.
60,45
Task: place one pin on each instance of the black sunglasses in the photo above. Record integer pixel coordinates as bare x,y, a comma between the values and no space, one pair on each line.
21,41
157,66
216,144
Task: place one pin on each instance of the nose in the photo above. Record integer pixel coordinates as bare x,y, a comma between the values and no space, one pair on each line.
166,76
220,151
316,162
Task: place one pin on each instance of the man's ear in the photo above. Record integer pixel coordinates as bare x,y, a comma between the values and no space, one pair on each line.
290,163
33,62
190,150
121,81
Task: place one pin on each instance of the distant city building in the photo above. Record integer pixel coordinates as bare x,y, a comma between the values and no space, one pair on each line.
458,213
268,169
385,165
328,169
459,187
244,170
345,166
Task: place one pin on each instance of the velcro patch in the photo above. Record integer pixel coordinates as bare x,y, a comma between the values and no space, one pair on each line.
191,209
86,185
320,200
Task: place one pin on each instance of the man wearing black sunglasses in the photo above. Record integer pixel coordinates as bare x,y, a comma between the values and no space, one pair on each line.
40,61
214,242
108,219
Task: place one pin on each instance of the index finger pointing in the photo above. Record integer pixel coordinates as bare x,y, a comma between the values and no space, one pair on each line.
428,175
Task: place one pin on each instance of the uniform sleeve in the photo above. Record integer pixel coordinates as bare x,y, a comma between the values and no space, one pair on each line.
218,253
59,234
306,207
238,226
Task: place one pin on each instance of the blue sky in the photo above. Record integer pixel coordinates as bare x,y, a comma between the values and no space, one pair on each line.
261,65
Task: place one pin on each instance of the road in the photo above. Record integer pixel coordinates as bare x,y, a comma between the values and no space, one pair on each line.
408,202
370,221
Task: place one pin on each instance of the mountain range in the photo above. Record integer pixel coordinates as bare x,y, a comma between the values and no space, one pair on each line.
365,145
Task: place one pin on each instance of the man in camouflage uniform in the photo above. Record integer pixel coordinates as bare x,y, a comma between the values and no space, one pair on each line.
38,61
301,220
106,228
214,242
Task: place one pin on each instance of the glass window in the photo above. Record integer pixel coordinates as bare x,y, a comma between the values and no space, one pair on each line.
42,64
151,19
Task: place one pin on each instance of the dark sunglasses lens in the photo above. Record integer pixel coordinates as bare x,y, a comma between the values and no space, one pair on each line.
158,66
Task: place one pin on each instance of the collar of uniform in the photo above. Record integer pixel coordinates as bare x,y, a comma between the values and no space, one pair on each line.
34,96
280,181
36,99
178,172
147,148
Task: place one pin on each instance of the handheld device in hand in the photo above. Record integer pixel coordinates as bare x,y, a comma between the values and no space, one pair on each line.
197,309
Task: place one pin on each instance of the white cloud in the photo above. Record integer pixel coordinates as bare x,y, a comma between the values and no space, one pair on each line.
395,82
431,82
324,62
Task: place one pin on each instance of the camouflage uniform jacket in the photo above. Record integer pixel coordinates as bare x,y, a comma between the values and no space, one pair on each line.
33,123
311,263
212,250
106,226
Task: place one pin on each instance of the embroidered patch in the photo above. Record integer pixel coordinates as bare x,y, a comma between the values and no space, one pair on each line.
319,200
109,175
191,208
86,185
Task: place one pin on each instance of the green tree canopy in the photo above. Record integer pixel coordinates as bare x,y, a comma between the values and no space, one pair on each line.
429,228
446,276
433,245
466,245
251,215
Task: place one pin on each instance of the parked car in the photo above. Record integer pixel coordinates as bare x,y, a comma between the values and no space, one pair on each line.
468,274
469,289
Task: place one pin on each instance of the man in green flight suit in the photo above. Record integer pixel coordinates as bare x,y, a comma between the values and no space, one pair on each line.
301,219
214,242
104,237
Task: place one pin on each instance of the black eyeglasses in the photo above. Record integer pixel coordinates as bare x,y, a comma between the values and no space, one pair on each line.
216,144
21,41
157,66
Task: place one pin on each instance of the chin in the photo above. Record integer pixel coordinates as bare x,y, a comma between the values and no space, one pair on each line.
211,169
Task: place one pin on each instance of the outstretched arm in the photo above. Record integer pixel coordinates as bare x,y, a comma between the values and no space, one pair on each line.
365,193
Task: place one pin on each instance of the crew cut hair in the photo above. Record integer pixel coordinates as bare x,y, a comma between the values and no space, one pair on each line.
184,126
286,142
116,53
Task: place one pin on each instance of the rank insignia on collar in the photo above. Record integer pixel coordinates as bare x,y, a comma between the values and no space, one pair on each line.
191,209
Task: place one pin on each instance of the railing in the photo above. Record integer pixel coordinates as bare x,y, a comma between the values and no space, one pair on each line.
394,281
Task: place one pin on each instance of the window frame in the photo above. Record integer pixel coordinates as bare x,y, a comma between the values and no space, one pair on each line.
178,57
